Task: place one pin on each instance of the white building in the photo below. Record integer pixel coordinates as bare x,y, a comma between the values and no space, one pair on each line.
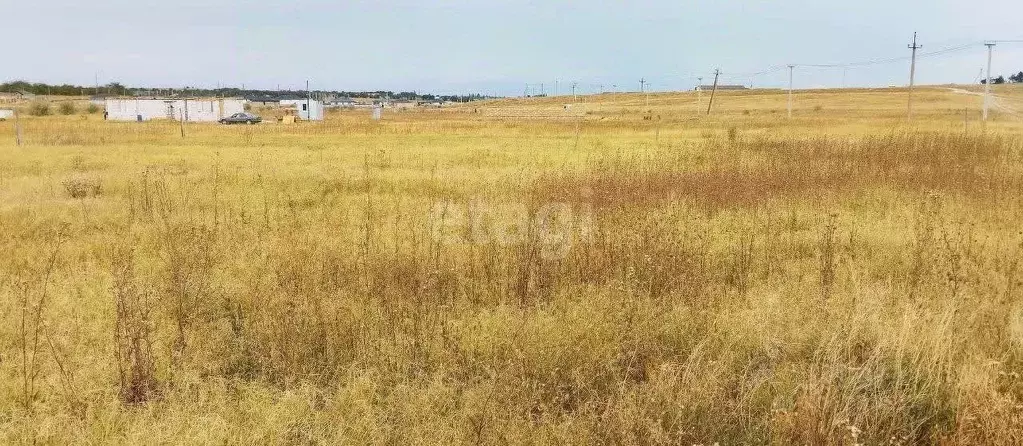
6,114
339,103
198,110
306,109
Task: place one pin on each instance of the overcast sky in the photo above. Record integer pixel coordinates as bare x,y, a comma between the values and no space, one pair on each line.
497,46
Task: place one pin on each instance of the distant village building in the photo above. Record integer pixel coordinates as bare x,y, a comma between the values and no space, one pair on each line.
10,98
403,104
722,87
191,110
305,109
339,103
6,114
268,100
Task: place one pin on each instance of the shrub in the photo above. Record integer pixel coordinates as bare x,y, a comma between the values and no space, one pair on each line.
39,109
83,187
66,108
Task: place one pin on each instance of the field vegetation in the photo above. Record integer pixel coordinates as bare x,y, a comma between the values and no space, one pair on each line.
626,270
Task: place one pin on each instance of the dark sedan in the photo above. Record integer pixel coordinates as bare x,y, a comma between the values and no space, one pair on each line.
241,118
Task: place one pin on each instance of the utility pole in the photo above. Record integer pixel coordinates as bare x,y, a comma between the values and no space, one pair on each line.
699,90
791,68
642,89
17,128
574,98
184,113
987,83
308,106
713,91
912,74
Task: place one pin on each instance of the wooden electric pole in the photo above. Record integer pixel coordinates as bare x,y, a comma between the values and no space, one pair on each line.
713,91
17,128
184,113
912,74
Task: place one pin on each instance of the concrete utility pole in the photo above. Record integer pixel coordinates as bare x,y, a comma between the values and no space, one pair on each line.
574,97
308,105
791,68
699,90
713,91
987,84
912,74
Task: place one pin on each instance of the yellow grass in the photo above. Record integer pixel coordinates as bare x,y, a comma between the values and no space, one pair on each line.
515,272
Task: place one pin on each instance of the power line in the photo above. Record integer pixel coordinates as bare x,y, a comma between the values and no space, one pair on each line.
670,79
893,59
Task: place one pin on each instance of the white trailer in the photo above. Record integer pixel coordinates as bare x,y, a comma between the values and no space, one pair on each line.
306,109
192,110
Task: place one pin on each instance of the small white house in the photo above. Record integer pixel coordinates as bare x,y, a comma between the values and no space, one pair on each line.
306,109
6,114
193,110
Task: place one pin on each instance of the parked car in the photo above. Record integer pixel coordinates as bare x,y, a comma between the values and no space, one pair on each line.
241,118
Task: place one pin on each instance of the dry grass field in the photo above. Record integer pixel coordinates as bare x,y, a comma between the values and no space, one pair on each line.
624,271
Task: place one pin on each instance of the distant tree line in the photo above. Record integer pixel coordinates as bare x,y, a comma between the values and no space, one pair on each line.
36,88
1015,78
116,89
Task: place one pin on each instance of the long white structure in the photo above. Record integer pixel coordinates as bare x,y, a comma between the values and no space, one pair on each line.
307,110
193,110
6,114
